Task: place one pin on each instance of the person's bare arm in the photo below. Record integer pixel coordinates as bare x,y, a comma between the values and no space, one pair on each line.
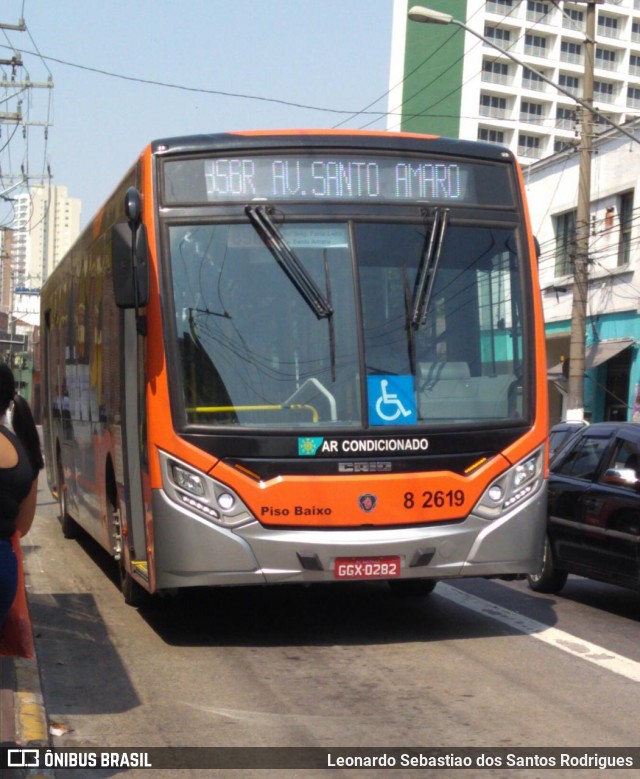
27,510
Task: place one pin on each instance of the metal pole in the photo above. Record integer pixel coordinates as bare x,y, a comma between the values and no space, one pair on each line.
575,401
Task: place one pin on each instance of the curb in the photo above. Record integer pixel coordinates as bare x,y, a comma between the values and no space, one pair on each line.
30,714
25,721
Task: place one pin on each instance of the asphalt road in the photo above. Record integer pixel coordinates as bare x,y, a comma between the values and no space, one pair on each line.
476,664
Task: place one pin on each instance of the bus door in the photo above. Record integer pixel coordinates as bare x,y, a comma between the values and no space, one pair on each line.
135,461
50,408
130,276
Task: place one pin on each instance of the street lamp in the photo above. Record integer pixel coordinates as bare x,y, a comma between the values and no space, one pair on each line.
575,409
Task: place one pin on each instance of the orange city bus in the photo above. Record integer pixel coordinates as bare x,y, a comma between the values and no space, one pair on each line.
302,357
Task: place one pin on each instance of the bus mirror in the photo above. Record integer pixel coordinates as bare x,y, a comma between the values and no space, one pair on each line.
128,270
536,243
133,207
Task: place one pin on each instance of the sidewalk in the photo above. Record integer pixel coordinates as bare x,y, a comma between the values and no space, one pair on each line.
23,719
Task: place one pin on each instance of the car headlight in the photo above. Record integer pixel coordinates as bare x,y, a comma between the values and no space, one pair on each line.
512,487
205,496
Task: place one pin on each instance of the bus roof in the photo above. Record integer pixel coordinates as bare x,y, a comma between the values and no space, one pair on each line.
300,139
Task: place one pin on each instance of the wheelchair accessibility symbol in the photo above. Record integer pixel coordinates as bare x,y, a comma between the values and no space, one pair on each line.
391,400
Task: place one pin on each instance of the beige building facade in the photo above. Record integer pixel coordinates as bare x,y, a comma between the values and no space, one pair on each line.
47,222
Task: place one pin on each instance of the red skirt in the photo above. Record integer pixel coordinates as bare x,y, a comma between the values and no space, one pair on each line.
16,639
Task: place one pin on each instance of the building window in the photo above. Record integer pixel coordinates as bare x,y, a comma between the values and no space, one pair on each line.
499,6
530,112
532,80
601,122
570,83
608,26
606,59
633,97
565,225
494,106
560,145
529,146
570,51
537,11
493,136
565,118
634,65
498,36
603,90
495,72
535,45
625,209
635,31
573,19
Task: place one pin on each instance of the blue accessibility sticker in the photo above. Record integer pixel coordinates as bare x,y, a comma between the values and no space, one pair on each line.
391,400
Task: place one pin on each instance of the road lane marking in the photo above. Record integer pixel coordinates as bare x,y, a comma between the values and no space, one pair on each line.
557,638
254,715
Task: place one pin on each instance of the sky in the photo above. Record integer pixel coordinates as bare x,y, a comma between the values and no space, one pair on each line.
278,61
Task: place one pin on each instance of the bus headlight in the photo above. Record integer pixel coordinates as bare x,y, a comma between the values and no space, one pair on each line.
512,487
187,480
201,494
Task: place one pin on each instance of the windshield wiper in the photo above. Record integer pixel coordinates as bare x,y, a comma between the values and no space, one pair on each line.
428,268
411,338
288,260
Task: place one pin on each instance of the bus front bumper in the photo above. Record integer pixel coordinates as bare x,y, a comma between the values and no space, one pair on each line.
190,551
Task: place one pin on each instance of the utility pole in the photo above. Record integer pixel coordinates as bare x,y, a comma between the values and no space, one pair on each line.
575,401
16,82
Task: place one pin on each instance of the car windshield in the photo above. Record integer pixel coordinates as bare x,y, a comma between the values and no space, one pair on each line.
346,323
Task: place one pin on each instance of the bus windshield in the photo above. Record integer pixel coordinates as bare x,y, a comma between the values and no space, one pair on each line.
418,323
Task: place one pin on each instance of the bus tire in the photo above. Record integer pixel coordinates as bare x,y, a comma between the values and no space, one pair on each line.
68,524
412,588
549,579
134,594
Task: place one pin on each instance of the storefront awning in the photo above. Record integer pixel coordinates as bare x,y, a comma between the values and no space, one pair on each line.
594,355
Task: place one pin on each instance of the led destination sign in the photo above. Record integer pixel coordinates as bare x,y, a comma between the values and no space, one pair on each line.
335,178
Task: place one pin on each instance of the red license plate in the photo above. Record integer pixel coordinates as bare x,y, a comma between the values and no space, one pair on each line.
366,567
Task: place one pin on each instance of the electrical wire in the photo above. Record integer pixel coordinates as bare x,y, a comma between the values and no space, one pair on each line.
200,90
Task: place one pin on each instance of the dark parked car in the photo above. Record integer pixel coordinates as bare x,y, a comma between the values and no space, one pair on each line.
593,525
561,433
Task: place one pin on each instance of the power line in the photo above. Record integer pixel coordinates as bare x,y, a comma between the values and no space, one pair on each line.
200,90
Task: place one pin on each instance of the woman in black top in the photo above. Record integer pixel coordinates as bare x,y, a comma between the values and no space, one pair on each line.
20,462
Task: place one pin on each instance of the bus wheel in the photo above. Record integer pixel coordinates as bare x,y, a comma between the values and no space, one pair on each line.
68,524
549,579
412,588
134,593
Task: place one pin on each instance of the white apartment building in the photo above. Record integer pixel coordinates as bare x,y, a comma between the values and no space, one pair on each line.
445,80
46,223
612,332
